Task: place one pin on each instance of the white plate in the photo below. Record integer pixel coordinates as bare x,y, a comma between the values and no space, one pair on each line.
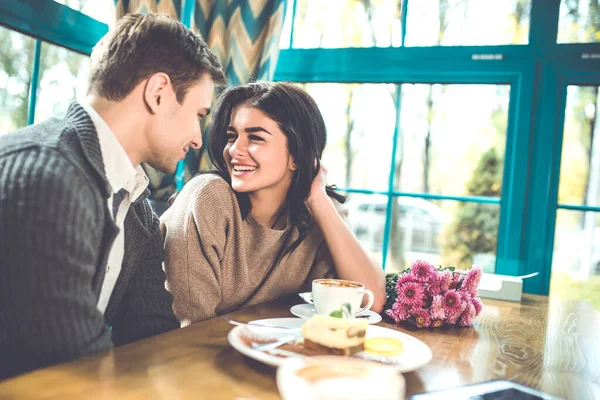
308,310
415,354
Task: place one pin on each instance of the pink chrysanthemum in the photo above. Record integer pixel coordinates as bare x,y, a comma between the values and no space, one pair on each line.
422,271
465,296
445,280
471,281
452,303
402,279
411,294
456,281
437,308
399,312
394,312
468,316
463,305
434,286
437,323
451,320
422,318
478,305
390,313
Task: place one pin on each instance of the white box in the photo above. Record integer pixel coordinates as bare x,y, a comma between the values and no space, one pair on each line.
502,287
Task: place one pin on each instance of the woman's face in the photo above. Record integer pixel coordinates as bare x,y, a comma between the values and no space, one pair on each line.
257,153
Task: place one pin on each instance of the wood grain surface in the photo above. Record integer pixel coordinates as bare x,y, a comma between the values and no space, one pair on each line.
545,343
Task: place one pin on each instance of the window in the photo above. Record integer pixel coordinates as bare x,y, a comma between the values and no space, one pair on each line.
579,21
360,122
16,64
576,258
63,79
380,208
347,23
367,224
580,172
455,234
467,22
101,10
451,142
448,133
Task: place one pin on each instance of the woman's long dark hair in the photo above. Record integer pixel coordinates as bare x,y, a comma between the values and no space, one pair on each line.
300,120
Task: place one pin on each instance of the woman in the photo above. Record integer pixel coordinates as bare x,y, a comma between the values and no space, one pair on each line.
264,224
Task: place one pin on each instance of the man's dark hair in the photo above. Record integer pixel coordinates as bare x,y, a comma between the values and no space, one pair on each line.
141,45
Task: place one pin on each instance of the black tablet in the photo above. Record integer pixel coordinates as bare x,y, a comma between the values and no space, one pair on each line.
491,390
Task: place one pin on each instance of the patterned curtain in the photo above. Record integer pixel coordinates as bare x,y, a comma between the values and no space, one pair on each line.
244,34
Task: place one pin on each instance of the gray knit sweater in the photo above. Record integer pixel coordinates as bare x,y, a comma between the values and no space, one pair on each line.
55,236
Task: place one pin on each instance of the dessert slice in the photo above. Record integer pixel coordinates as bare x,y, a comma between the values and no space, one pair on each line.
337,336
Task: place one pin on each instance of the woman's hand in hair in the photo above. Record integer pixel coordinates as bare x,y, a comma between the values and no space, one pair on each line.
352,262
317,188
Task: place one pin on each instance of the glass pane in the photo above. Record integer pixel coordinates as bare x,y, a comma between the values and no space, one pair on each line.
452,139
360,122
286,29
576,258
347,23
16,63
443,232
580,160
467,22
63,79
579,21
366,214
101,10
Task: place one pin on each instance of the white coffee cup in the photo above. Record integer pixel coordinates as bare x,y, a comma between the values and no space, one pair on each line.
338,378
330,294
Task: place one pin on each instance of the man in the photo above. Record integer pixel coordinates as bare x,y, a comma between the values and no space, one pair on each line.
80,248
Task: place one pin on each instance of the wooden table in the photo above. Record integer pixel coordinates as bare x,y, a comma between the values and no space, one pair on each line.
552,345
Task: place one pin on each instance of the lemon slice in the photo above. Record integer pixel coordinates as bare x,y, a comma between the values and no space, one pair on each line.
387,347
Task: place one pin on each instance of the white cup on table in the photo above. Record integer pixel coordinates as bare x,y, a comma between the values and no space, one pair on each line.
330,294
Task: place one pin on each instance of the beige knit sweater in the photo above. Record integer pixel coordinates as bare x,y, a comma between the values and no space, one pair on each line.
216,262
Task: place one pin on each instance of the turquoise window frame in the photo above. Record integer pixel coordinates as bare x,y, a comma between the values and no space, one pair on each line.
52,22
534,71
546,162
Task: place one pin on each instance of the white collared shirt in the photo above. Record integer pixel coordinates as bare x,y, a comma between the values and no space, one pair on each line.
121,174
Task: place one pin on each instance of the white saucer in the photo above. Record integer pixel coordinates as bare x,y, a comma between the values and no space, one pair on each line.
308,310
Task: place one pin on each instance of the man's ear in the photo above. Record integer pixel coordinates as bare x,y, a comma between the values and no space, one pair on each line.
156,91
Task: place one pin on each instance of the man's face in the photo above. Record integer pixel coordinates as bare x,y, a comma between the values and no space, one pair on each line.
176,127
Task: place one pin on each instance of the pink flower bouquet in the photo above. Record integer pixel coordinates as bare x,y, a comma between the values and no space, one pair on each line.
426,296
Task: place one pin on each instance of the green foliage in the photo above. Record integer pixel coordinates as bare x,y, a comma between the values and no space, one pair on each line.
391,280
345,311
